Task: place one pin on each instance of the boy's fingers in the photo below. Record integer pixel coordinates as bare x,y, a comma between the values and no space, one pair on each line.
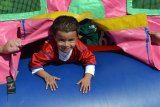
56,78
46,85
84,90
89,88
78,82
81,88
51,87
56,85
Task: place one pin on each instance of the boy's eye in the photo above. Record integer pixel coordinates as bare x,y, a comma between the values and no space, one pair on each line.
61,40
71,39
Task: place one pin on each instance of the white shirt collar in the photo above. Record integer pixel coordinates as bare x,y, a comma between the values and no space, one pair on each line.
64,56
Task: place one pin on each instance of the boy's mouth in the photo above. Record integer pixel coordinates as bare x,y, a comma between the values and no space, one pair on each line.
66,49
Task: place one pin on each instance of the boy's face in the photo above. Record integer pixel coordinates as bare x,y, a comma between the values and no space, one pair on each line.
66,41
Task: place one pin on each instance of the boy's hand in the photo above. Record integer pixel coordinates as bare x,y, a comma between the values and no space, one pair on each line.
51,82
85,83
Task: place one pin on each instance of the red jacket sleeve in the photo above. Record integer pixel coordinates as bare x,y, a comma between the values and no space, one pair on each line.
86,56
42,57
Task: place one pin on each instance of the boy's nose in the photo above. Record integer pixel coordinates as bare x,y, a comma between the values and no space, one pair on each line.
66,43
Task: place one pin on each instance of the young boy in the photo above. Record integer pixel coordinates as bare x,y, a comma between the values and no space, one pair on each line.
64,47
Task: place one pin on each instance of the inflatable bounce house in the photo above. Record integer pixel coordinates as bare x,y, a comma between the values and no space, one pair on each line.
128,63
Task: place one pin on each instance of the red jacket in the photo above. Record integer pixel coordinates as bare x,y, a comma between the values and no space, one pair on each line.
49,52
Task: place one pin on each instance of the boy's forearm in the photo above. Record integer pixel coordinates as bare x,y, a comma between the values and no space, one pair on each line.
88,75
42,73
